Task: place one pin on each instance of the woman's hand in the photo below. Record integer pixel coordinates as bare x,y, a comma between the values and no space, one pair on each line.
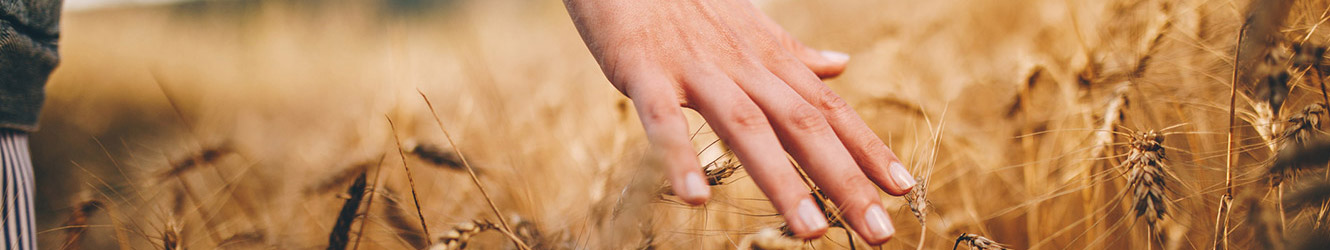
759,89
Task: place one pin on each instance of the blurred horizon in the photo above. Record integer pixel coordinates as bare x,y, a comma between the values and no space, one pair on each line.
86,5
80,5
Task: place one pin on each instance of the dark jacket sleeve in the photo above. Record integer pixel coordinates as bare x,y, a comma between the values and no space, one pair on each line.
29,30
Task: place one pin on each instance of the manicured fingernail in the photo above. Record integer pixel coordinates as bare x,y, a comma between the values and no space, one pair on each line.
694,187
878,223
835,56
812,217
902,176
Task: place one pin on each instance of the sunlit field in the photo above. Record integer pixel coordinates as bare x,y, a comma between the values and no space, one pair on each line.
1042,124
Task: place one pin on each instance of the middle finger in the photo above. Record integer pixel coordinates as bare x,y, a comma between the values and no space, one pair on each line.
808,137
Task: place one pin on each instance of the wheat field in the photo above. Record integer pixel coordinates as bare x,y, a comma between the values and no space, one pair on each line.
1035,124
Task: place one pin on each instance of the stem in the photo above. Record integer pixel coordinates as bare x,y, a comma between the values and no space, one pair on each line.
411,182
923,231
1326,102
1325,97
1226,200
472,172
369,200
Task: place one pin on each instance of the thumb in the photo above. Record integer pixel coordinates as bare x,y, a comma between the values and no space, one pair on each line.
824,63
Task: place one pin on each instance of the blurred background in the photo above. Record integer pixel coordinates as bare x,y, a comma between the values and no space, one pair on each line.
241,123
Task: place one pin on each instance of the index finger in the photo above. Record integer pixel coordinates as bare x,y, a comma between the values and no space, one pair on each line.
873,156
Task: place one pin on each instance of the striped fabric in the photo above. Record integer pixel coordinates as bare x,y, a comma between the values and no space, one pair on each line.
17,188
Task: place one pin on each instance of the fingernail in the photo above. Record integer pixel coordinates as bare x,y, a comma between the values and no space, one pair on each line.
836,56
812,217
902,176
694,187
878,223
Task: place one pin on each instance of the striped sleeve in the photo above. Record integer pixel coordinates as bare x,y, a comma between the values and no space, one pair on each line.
17,188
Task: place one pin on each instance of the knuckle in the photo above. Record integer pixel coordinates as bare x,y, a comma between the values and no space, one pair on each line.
850,205
829,101
866,143
747,117
856,191
787,41
805,118
872,167
657,113
770,48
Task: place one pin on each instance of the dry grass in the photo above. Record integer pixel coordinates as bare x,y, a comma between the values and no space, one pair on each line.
77,223
976,242
769,239
236,124
341,231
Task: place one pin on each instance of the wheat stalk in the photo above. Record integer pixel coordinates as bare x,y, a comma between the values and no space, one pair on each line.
769,239
831,213
340,235
1146,175
918,200
77,224
193,161
401,223
410,179
1315,194
338,180
528,232
461,234
438,156
245,240
177,170
1300,132
369,201
1307,196
1302,126
471,171
1307,56
717,173
1262,222
1313,154
1257,35
171,236
974,241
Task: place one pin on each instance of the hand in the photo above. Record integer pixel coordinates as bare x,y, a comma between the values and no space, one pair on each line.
759,89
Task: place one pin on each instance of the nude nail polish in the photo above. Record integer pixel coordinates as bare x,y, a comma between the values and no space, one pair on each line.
878,223
695,187
835,56
811,216
901,176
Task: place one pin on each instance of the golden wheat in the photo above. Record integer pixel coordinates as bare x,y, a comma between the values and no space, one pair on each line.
976,242
1146,174
769,239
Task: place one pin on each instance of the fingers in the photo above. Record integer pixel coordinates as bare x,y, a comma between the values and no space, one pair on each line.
873,157
808,137
743,126
658,107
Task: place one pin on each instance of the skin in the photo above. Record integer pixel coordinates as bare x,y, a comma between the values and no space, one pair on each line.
762,92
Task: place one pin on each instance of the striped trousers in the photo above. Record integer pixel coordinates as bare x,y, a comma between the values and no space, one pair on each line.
17,188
